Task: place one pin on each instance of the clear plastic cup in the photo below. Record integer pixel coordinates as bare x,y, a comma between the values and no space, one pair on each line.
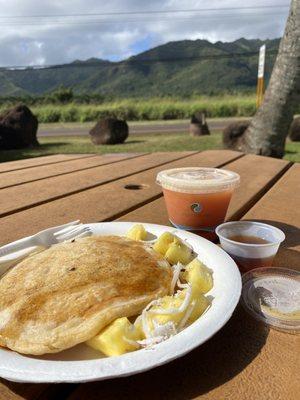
250,255
197,198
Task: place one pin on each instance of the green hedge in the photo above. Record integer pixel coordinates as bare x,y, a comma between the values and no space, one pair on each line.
141,110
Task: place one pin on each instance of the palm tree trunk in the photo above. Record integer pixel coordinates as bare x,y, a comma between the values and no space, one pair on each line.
269,127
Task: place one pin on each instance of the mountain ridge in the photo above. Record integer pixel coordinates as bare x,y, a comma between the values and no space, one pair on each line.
181,68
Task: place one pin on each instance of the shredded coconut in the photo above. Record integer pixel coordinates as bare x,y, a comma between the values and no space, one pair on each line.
145,324
176,310
166,330
148,343
176,272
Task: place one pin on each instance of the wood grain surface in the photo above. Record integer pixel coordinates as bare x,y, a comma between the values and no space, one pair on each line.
258,174
45,160
280,207
245,360
103,202
16,198
35,173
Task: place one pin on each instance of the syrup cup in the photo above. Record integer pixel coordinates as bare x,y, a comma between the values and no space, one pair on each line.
248,255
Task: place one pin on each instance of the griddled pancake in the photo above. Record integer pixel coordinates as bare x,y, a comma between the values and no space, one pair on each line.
66,294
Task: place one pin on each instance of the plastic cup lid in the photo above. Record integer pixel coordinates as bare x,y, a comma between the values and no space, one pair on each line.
272,295
197,179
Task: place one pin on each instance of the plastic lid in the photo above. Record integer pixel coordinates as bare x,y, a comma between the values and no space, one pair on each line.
272,295
197,179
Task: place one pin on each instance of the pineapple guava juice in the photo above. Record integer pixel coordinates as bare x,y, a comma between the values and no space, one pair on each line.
197,198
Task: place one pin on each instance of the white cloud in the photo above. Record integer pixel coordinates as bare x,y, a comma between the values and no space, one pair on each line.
30,41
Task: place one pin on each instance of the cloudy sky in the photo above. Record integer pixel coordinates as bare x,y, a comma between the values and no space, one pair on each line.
39,32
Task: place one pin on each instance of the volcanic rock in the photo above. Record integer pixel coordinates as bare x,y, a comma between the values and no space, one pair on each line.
18,128
109,131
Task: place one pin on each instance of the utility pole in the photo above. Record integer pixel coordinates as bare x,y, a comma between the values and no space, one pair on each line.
260,76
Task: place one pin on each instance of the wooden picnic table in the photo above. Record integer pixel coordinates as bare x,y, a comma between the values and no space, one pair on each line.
245,360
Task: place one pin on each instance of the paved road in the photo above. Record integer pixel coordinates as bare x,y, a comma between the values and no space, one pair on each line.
137,129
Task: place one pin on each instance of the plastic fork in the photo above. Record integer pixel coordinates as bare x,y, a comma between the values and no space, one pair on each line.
71,233
43,238
36,243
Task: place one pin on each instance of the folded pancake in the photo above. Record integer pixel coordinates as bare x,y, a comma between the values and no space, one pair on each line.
66,294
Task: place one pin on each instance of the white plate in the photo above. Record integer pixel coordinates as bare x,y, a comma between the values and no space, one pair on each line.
82,364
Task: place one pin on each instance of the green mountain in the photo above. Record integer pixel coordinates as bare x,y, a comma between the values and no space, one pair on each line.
177,68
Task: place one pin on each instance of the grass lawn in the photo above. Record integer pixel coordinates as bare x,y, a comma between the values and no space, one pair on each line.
138,143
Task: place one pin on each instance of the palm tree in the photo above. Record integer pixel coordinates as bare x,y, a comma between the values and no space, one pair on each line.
269,127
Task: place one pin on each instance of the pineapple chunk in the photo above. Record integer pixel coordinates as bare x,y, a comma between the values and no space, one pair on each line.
163,242
199,302
178,252
173,248
138,326
112,340
137,232
199,276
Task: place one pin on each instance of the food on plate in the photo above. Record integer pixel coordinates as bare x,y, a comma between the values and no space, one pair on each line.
137,232
169,314
173,248
161,319
117,338
115,294
68,293
199,276
179,252
181,309
163,242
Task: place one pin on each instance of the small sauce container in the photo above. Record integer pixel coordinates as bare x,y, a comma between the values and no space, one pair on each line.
254,254
272,296
197,198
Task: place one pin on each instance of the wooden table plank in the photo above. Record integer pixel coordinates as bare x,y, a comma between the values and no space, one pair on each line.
258,174
45,160
18,391
253,185
280,207
17,177
103,202
28,391
20,197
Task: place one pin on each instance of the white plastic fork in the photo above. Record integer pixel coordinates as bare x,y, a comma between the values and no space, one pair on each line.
16,251
43,238
72,233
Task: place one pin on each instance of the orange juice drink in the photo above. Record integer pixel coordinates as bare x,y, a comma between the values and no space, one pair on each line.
197,198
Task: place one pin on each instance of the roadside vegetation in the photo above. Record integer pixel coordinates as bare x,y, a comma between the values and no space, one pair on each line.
145,110
154,109
63,106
